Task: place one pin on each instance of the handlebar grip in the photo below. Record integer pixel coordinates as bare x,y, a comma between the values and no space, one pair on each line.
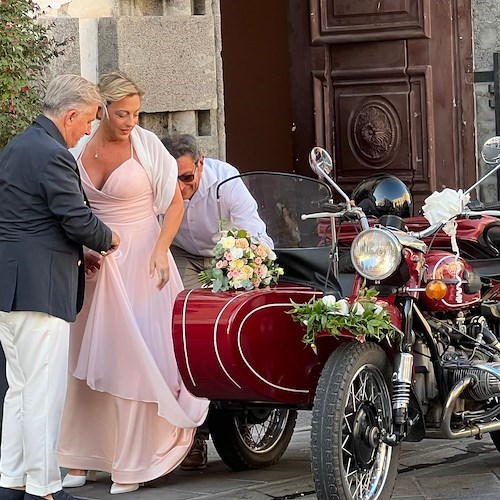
333,207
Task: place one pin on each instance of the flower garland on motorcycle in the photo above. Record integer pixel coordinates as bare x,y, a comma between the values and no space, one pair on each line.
364,317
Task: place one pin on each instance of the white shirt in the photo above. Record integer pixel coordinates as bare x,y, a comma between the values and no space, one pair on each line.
202,213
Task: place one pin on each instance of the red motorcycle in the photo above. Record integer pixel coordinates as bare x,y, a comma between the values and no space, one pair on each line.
437,374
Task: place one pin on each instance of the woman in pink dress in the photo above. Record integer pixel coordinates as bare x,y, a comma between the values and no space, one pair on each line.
127,411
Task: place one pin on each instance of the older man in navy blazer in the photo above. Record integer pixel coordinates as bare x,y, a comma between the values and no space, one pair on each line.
44,222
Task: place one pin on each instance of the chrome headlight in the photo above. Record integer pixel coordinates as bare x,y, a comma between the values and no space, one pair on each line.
376,253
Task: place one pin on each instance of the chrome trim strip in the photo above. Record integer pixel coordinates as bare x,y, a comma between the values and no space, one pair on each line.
303,391
184,340
215,341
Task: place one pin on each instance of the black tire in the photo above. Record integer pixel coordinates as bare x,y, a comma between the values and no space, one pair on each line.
251,439
352,401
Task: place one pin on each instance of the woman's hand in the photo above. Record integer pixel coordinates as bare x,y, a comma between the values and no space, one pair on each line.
159,263
91,262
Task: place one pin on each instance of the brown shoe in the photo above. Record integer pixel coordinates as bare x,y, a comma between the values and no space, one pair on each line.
196,459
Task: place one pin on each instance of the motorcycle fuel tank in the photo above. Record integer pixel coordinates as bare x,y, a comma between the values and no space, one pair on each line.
459,277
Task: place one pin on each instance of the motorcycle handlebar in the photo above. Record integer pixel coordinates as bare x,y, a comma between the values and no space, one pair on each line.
436,227
426,232
353,213
334,207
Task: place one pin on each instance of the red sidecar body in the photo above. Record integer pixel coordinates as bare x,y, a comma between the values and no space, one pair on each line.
245,346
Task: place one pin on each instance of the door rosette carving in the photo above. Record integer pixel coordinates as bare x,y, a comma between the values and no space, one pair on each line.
375,133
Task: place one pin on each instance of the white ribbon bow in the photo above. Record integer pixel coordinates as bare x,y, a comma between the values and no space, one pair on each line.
442,208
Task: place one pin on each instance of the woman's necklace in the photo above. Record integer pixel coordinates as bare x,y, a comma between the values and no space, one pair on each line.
96,156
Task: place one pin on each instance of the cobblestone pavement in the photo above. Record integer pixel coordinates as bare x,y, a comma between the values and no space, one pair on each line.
432,469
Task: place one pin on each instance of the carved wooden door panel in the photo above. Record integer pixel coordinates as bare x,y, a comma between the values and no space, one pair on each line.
393,90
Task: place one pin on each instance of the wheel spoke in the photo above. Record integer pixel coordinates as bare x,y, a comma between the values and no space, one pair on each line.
261,436
347,448
366,391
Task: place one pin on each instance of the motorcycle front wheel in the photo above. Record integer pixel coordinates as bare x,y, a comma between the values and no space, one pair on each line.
351,406
255,438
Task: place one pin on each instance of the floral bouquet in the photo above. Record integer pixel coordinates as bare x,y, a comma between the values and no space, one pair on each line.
240,262
363,317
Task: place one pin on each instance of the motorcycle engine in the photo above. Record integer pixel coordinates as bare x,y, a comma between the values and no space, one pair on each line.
464,342
486,385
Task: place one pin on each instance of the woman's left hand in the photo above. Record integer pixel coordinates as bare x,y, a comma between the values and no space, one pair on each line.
159,263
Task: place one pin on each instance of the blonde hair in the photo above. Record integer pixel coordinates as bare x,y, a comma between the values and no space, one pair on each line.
117,85
66,92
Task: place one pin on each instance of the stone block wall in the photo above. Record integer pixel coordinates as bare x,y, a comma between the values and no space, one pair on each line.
171,48
486,23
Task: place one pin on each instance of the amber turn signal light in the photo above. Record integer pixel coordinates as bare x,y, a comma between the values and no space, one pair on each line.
436,290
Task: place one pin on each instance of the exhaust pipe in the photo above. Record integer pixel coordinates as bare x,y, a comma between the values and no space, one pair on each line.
458,388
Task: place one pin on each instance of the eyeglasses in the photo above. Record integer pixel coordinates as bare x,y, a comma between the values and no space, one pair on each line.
188,177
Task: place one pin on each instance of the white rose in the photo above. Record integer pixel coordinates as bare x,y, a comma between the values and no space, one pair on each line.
358,309
236,253
329,301
342,307
227,242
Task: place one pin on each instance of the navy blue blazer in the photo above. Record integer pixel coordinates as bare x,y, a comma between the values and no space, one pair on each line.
44,221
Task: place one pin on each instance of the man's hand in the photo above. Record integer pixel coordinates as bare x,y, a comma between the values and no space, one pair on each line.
115,243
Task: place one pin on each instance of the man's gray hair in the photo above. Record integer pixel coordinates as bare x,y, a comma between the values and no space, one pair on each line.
181,144
66,92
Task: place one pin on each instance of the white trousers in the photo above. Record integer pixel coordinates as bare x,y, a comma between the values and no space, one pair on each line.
36,349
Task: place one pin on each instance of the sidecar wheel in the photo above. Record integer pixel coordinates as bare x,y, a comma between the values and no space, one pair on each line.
254,439
352,404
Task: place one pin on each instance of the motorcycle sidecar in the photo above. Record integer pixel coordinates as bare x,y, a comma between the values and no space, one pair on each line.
243,351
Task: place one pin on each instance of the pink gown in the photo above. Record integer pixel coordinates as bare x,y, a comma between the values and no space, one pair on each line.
127,411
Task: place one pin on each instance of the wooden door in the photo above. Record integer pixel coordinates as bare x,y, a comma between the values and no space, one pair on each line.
255,57
393,90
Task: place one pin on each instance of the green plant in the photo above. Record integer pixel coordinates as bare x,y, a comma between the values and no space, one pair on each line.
363,317
26,49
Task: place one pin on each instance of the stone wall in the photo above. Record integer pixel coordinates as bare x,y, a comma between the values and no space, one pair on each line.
486,22
171,48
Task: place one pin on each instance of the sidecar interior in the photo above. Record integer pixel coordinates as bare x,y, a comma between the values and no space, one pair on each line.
310,267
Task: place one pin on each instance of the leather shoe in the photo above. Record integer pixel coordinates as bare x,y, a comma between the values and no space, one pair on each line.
58,495
117,488
11,494
197,458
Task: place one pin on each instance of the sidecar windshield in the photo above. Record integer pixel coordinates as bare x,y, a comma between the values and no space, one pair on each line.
282,198
299,245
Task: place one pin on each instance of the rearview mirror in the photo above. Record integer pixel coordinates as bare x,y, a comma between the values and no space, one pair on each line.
491,151
322,165
320,161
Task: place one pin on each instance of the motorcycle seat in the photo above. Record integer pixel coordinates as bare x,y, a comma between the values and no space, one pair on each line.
492,237
308,267
486,268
